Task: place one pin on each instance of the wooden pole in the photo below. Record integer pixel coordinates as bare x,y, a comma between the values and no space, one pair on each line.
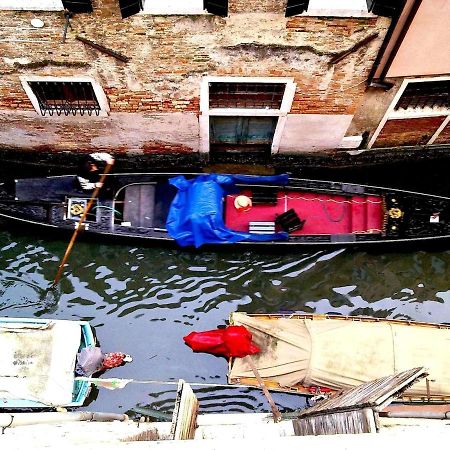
78,225
275,412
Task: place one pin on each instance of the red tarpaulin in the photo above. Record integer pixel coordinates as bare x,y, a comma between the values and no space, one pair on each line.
233,341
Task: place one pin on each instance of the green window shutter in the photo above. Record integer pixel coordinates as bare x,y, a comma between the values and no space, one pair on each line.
130,7
294,7
216,7
78,6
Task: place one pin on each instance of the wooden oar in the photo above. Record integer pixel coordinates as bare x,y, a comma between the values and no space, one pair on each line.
276,413
78,225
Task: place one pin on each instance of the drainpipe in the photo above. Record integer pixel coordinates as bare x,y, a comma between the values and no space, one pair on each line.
380,81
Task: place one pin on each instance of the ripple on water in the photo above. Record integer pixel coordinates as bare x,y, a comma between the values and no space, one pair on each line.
144,300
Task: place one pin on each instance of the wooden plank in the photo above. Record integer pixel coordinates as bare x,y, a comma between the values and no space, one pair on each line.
346,422
184,420
374,393
139,205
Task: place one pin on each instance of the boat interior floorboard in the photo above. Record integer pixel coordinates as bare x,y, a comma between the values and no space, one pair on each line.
139,205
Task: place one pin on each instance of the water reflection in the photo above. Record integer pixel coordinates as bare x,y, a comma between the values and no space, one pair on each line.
144,300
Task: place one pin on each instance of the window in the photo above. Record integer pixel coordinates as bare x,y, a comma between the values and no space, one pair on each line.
345,8
246,95
431,95
164,7
32,5
339,8
244,114
173,7
75,96
76,6
419,98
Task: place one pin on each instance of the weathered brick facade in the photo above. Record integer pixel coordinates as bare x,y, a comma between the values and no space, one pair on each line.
154,98
407,102
444,136
408,131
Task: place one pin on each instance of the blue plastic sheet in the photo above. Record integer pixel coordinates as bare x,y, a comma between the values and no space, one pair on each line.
196,215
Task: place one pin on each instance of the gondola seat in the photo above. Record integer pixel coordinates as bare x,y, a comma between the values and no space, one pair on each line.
289,221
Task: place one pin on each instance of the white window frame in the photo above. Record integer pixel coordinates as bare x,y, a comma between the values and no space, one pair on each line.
391,113
173,7
337,8
31,5
206,112
99,93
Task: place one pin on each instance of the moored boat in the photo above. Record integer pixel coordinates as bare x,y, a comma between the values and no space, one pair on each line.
212,209
308,354
37,367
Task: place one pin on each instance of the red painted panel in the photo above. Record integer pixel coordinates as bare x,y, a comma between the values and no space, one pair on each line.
324,214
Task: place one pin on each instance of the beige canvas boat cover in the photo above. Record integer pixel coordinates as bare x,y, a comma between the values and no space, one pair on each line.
38,363
338,353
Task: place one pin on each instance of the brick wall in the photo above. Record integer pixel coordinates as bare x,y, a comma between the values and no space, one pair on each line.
169,56
444,136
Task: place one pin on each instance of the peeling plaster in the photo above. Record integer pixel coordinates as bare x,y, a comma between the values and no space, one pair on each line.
13,61
128,130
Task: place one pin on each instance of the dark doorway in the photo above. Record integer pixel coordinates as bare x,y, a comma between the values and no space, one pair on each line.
242,135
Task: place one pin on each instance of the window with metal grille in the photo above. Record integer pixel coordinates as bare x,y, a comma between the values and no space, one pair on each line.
246,95
65,97
426,94
32,5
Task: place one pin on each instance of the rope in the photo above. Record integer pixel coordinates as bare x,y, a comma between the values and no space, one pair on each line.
9,425
108,207
191,384
327,213
331,200
174,383
369,231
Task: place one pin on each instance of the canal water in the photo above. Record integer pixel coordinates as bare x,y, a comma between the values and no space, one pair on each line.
142,301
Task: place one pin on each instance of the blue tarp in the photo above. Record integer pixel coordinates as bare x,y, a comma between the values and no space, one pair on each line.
196,215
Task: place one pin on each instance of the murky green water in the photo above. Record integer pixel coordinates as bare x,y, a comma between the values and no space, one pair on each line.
144,300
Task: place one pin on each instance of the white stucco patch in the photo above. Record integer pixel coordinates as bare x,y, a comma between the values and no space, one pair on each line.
134,130
11,61
309,132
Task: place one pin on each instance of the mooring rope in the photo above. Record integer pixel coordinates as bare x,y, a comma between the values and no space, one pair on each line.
121,382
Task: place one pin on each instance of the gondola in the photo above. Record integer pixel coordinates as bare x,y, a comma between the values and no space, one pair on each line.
310,354
195,210
38,363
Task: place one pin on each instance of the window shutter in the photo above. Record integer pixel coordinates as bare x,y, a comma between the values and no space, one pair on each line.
130,7
294,7
216,7
370,4
386,8
78,6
